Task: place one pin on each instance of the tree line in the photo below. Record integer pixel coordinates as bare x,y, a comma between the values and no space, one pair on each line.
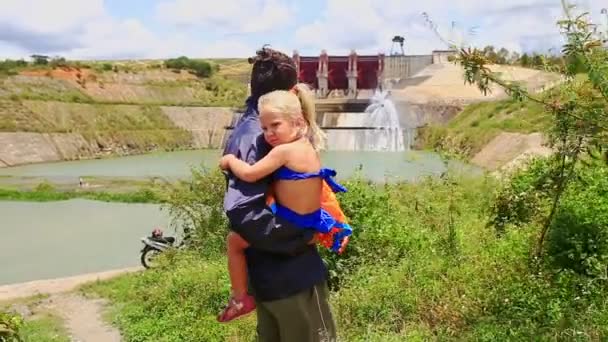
199,67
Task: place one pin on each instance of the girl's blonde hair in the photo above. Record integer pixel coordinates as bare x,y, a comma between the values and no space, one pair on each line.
294,103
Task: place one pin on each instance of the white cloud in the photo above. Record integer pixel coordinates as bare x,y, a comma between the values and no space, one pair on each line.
78,29
49,26
85,29
49,17
109,38
241,16
369,25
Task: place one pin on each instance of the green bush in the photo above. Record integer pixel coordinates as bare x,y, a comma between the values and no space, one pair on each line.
10,327
578,236
58,62
9,67
45,187
196,207
523,196
200,68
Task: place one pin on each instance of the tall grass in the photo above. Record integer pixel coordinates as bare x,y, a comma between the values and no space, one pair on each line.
423,264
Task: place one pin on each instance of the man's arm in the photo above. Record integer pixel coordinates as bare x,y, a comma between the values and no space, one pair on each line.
245,203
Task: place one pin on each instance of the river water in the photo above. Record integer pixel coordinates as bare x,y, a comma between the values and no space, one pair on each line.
57,239
375,165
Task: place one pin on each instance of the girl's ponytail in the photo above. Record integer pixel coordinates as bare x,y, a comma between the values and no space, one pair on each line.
307,101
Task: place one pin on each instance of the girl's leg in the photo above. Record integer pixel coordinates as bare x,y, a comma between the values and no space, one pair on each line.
241,303
237,264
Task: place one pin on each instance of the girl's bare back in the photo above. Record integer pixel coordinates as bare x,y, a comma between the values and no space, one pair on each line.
302,196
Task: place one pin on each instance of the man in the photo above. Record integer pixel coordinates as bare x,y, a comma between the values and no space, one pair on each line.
286,273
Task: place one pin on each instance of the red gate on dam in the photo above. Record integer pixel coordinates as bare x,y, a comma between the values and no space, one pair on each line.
326,73
345,76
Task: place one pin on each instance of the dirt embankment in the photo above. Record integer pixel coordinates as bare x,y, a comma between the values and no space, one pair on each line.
444,83
509,150
82,316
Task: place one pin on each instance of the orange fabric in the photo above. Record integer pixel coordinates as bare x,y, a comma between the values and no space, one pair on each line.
330,203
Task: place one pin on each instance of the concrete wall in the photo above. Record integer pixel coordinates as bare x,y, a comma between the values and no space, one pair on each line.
23,148
397,67
206,124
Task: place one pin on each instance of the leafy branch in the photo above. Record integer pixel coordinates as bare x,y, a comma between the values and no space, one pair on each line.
578,107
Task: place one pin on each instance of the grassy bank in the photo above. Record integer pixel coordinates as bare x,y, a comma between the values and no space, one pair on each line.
140,196
424,264
45,328
125,88
479,123
48,193
40,325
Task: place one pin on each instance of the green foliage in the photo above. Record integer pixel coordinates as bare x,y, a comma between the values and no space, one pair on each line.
45,328
107,67
10,67
579,110
200,68
196,207
58,62
45,192
40,59
177,302
578,239
45,187
523,197
10,327
421,264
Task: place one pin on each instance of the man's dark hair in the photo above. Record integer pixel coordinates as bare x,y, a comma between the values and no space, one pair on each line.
272,70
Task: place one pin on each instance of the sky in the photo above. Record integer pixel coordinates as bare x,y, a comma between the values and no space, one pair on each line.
151,29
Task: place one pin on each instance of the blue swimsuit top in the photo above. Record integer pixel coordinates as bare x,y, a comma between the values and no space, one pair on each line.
285,173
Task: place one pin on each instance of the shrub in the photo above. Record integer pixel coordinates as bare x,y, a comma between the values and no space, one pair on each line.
199,68
196,207
10,326
522,196
578,238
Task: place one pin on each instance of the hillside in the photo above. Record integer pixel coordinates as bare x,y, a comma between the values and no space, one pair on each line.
83,110
444,82
491,134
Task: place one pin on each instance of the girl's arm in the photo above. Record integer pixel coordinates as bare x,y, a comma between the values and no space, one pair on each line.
265,166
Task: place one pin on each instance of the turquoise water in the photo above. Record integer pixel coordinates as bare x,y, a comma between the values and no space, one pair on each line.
374,165
58,239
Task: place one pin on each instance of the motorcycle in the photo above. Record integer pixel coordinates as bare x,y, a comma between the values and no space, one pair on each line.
155,244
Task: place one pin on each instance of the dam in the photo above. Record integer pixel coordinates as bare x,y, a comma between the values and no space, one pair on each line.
353,100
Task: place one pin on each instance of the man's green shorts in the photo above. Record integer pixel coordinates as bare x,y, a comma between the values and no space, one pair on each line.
303,317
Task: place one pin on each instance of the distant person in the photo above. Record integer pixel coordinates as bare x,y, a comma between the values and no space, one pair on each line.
286,274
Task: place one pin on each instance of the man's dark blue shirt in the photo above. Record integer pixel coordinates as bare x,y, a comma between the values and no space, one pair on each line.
280,261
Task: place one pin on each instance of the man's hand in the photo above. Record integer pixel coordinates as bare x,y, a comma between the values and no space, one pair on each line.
225,161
